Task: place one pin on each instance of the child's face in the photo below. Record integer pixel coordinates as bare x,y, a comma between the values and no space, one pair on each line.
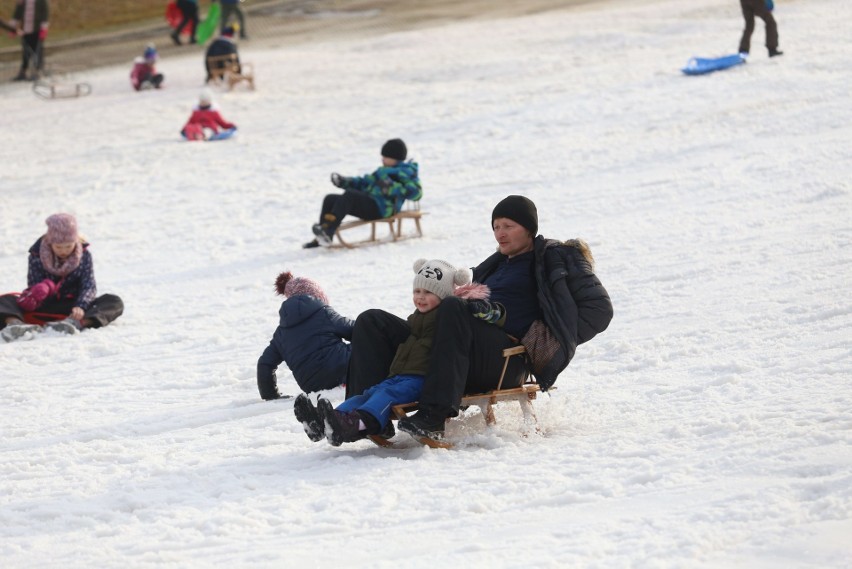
425,301
62,250
389,161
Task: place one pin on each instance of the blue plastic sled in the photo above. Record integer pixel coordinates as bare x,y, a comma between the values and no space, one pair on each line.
702,65
224,135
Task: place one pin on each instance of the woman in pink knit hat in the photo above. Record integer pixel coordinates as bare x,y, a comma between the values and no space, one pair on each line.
61,292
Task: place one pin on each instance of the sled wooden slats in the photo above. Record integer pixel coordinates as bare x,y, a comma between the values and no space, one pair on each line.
524,394
393,223
226,70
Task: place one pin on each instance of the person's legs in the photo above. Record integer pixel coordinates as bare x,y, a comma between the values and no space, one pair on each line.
378,400
227,10
748,16
193,12
764,14
376,336
242,21
30,55
39,53
103,310
466,358
337,206
9,309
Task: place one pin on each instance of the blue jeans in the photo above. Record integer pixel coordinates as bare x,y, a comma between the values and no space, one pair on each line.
378,400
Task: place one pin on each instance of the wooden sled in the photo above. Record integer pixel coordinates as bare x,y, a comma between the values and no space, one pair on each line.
524,394
226,70
49,89
393,223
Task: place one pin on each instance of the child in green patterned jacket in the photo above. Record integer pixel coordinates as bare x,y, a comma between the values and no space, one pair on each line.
372,196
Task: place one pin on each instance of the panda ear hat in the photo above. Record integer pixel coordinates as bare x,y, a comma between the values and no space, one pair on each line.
439,277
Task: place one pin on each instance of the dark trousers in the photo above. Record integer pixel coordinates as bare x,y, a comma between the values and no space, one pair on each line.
752,8
31,51
466,356
227,11
350,202
190,15
102,311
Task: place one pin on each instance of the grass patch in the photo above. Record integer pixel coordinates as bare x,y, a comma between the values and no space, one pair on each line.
75,18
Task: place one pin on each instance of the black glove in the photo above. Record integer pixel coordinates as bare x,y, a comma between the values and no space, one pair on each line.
384,184
491,312
338,180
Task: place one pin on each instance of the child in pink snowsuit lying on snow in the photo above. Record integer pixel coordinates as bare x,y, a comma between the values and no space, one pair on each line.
205,121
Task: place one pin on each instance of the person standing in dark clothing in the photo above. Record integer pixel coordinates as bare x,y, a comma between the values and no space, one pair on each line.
30,21
230,7
189,9
763,10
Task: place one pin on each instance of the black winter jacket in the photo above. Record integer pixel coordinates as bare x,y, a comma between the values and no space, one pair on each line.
575,304
309,339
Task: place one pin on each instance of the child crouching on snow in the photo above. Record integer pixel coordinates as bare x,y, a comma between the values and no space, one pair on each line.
144,73
205,121
369,413
309,338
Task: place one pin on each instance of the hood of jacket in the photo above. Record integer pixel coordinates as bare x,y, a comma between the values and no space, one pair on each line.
297,309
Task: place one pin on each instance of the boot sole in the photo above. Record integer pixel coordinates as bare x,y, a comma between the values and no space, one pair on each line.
310,419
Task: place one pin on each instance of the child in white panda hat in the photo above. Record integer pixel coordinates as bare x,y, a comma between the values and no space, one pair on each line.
369,413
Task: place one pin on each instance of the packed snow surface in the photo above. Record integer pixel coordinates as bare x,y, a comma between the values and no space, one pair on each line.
709,426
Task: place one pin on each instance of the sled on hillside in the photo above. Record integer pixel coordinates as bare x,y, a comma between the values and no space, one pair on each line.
704,65
50,88
227,70
411,211
524,395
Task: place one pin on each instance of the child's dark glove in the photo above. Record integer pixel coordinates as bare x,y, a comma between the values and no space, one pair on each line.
338,180
384,185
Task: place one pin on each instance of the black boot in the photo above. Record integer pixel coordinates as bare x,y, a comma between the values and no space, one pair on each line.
340,427
307,414
323,235
773,52
424,424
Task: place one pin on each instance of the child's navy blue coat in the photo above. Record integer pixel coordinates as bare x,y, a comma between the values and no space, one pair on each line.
309,339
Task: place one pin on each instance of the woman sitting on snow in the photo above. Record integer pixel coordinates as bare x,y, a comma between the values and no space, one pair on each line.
144,73
62,293
205,120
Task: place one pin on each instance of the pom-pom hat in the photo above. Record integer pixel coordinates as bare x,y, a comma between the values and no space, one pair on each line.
62,228
288,285
439,277
395,149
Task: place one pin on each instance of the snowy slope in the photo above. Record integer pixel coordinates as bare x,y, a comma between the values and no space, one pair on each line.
710,426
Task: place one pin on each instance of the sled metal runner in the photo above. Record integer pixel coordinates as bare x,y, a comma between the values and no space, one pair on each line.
49,89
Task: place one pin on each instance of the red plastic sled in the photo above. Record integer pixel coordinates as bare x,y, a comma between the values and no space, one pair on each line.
173,14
